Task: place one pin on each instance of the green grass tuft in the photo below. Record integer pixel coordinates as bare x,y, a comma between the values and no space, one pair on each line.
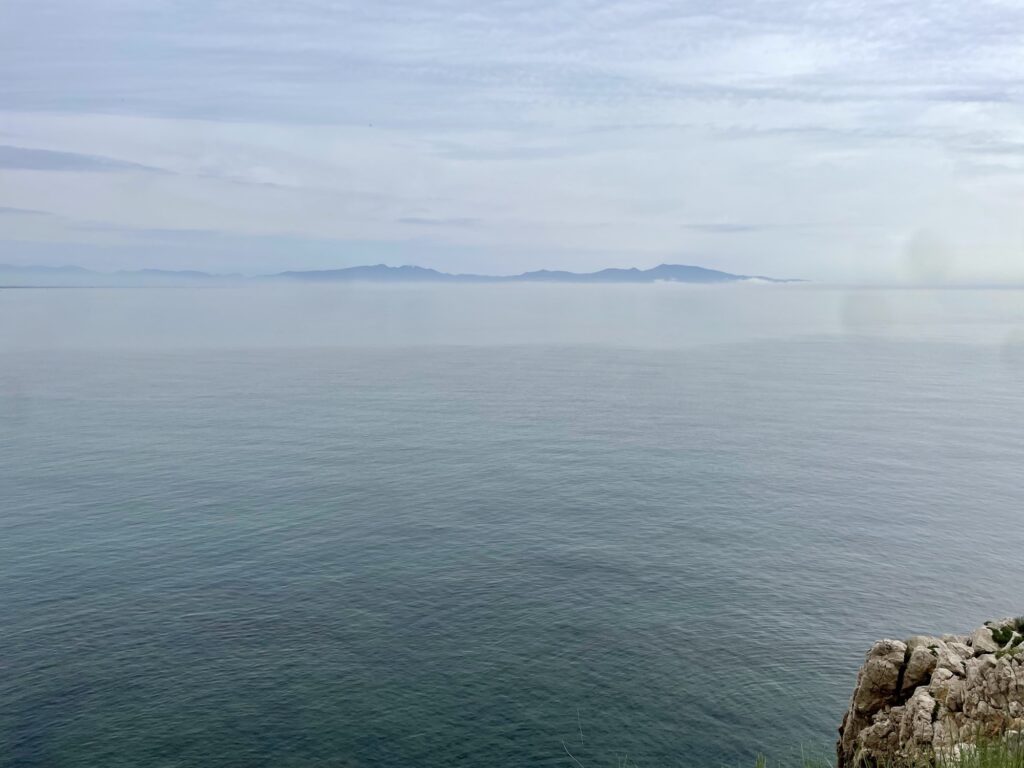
1003,635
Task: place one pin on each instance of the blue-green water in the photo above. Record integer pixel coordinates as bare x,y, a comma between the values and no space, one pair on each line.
238,551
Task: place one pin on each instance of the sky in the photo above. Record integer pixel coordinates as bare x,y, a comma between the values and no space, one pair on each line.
831,140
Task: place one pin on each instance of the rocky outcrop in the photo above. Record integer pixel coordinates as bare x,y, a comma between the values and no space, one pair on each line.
929,695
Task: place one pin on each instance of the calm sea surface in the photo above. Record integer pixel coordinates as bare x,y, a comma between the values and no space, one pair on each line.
463,526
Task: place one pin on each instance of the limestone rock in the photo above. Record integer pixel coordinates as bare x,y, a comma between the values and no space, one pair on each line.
951,657
879,676
934,695
983,642
920,666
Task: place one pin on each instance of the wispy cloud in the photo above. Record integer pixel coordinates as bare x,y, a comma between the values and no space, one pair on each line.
418,221
10,211
723,228
27,159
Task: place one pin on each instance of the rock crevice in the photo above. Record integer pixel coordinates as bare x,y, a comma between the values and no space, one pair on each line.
928,695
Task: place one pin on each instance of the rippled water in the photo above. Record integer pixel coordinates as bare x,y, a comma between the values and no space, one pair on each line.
236,543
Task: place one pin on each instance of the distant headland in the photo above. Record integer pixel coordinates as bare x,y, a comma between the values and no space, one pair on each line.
71,276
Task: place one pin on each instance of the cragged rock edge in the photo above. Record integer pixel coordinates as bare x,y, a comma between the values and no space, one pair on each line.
931,695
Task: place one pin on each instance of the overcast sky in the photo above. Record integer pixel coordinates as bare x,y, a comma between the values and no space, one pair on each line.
832,140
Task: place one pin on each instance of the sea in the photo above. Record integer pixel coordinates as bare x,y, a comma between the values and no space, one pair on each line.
489,525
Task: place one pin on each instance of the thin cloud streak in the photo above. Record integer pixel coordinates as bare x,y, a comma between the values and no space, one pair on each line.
28,159
10,211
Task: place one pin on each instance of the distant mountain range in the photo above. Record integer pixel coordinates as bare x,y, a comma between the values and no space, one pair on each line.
678,273
71,276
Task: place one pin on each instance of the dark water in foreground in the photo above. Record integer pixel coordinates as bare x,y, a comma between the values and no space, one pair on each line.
435,556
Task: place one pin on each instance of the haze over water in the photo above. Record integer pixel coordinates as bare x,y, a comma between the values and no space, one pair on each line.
436,526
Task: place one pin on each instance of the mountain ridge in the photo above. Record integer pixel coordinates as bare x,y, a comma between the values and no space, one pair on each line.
379,273
684,273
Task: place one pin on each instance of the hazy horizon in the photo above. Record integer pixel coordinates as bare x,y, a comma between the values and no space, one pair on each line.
841,143
62,276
